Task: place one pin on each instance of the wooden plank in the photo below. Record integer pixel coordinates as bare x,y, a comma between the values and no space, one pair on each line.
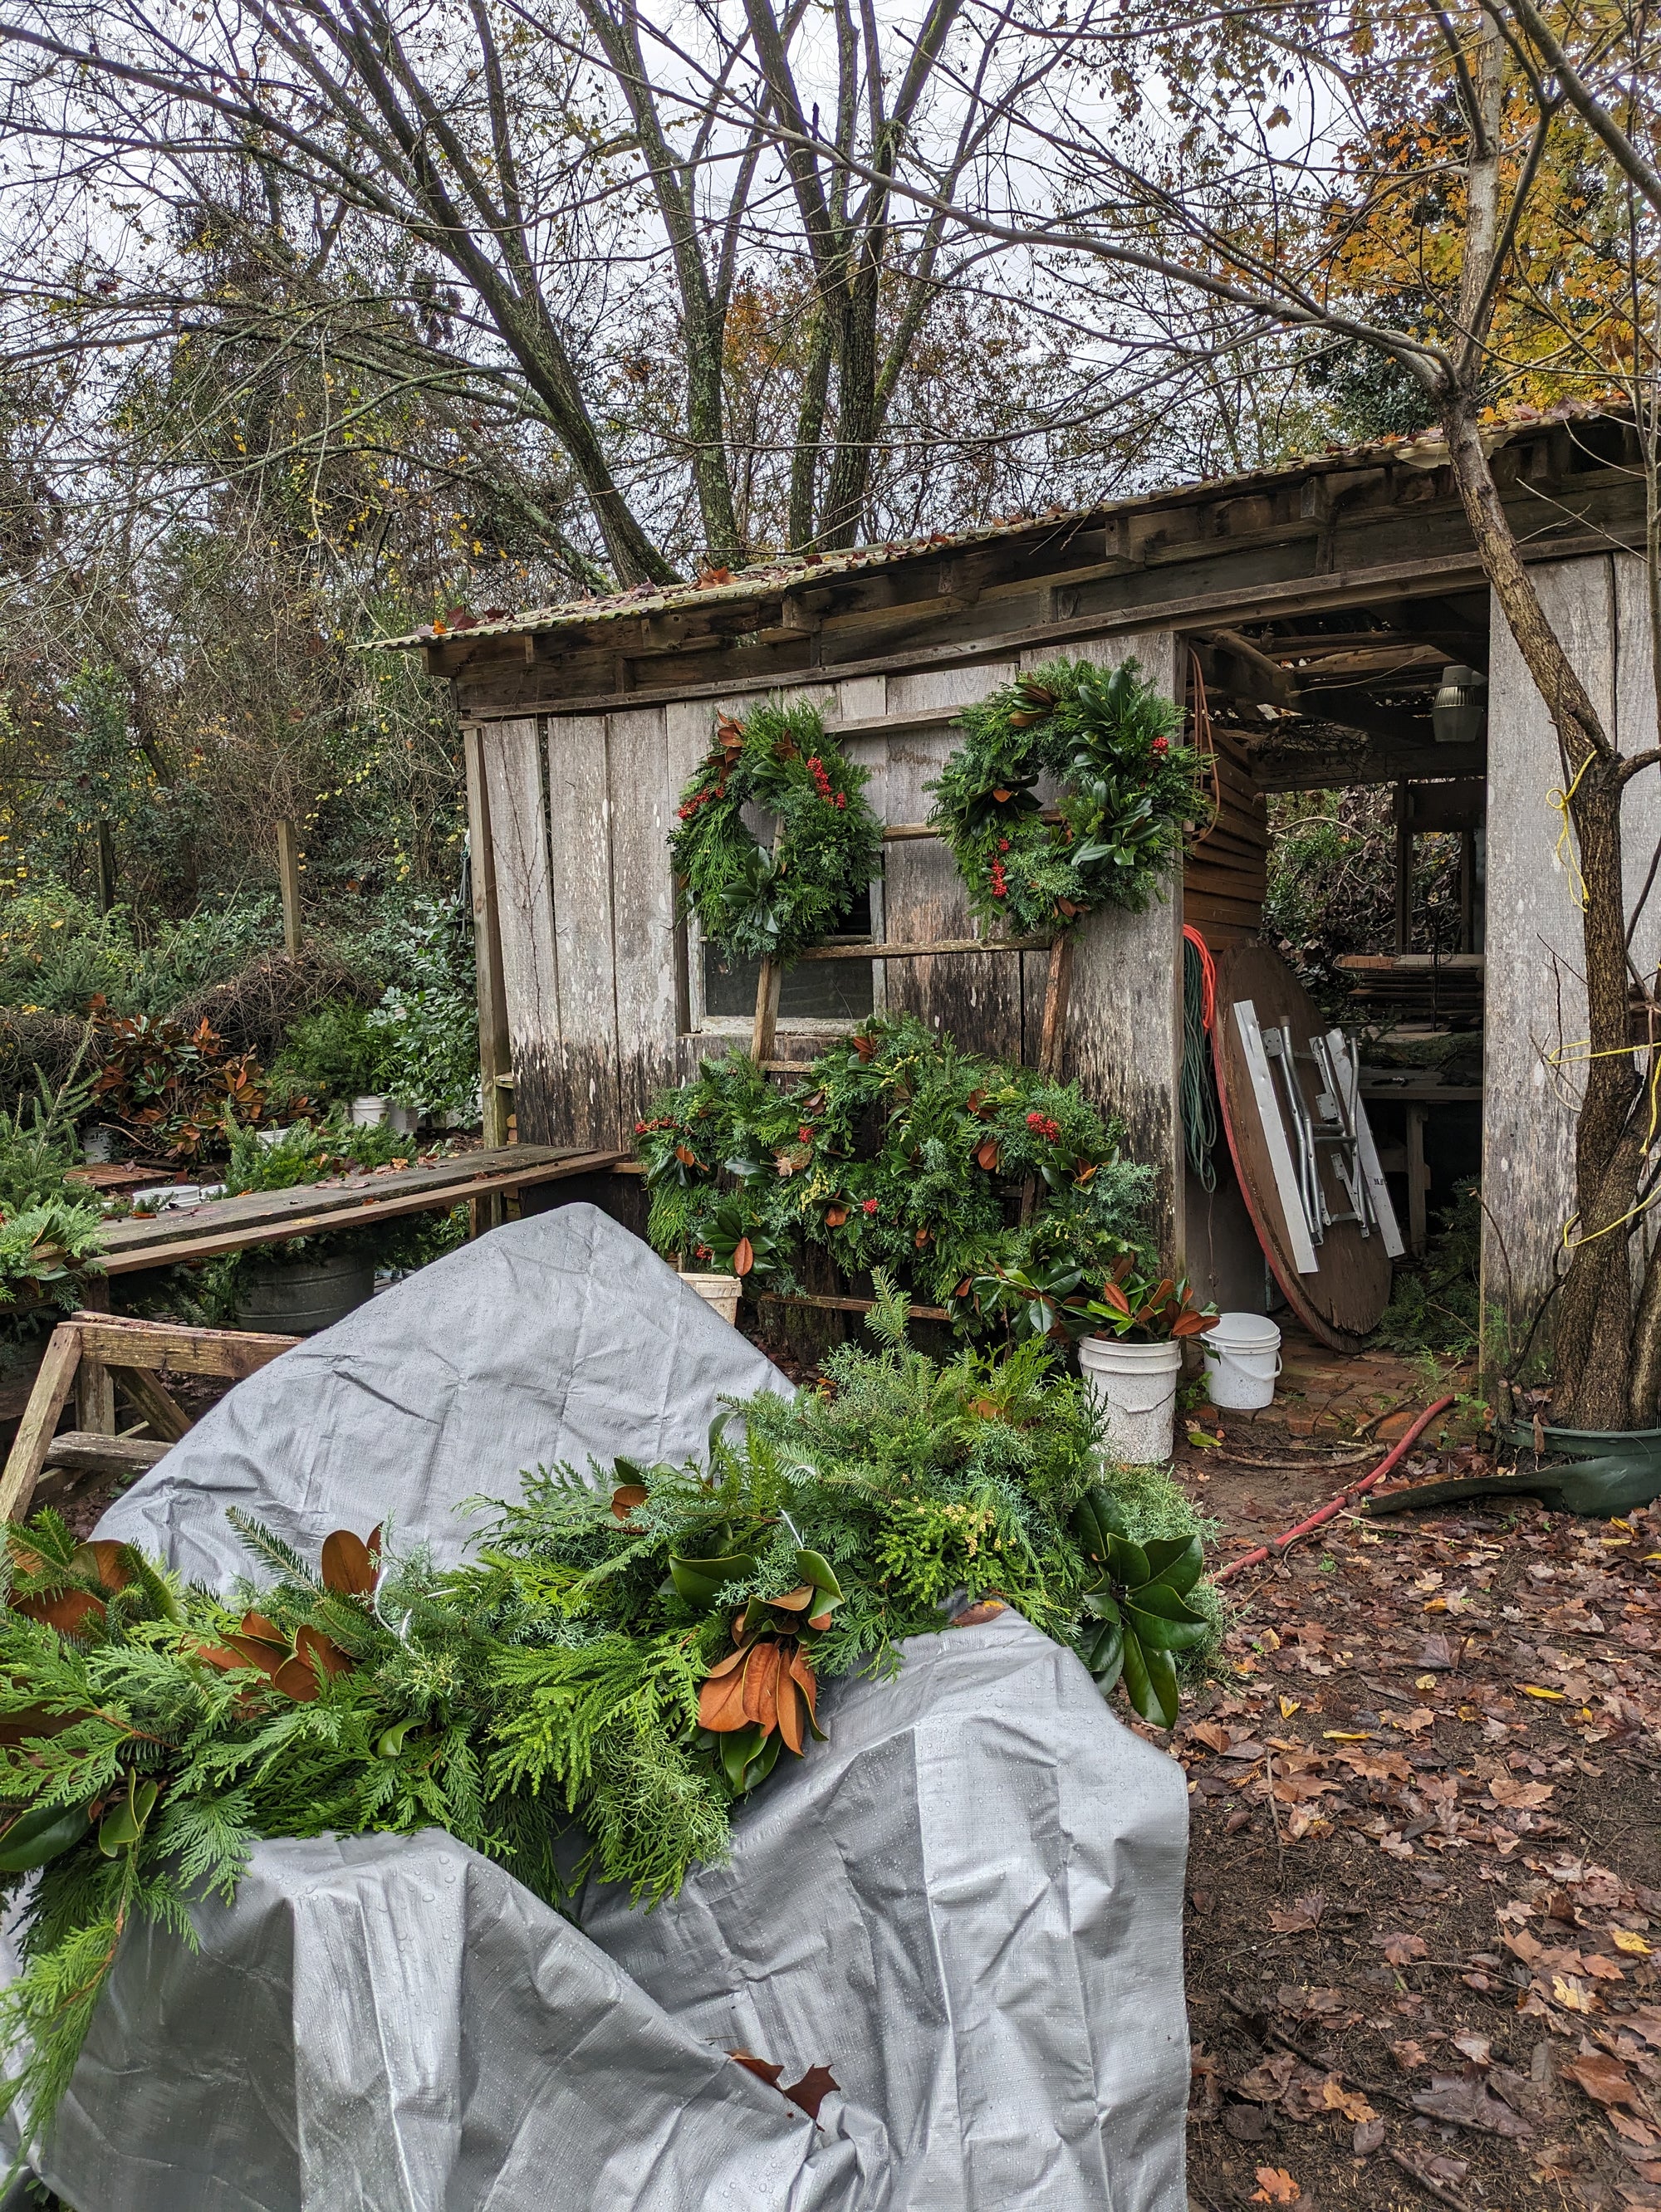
1058,995
826,1304
79,1451
209,1240
495,1048
271,1208
95,1396
580,856
35,1431
525,922
642,800
768,984
939,948
151,1345
167,1418
287,877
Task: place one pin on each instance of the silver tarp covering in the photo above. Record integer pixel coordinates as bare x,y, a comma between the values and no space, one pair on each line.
967,1904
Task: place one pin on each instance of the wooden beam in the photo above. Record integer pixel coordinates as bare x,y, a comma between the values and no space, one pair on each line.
827,1304
494,1048
287,877
126,1342
95,1396
206,1243
768,986
80,1451
930,952
1057,989
35,1430
167,1420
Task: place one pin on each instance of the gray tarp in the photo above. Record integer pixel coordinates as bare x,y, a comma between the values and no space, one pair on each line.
967,1903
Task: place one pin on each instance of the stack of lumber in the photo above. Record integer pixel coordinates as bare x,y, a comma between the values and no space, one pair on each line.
1226,870
1443,989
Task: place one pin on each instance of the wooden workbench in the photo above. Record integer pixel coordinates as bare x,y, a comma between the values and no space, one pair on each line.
268,1217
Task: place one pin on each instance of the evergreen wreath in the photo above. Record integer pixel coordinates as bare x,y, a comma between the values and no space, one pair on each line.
1126,788
751,902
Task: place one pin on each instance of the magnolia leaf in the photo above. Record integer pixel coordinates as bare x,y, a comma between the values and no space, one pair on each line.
699,1580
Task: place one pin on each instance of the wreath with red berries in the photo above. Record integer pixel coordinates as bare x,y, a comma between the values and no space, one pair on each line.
1125,789
753,899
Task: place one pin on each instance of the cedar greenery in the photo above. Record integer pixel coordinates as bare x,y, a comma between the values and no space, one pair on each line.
558,1683
1126,789
753,901
895,1149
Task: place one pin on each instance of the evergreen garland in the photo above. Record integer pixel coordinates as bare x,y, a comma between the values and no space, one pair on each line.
1126,789
894,1150
627,1653
752,900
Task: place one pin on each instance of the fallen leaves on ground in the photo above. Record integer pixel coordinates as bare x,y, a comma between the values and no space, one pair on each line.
1431,1861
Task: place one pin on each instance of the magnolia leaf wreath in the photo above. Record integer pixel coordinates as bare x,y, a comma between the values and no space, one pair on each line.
752,900
1126,789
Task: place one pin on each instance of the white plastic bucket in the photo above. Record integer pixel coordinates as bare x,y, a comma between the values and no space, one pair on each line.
368,1111
1135,1386
403,1120
1241,1359
720,1291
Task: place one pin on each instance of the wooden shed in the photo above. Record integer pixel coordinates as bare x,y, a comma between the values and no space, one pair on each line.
1306,614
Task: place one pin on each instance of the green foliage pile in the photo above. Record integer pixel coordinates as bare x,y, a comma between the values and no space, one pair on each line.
894,1150
57,952
49,1231
1126,789
1437,1307
752,899
149,1733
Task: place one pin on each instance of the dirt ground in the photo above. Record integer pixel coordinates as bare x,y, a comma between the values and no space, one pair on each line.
1425,1876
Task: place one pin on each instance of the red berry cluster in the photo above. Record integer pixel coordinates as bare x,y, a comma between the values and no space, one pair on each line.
868,1205
1162,744
816,769
804,1134
999,887
660,1121
1048,1130
698,798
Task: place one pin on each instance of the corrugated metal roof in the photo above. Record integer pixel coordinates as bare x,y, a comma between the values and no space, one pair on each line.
763,579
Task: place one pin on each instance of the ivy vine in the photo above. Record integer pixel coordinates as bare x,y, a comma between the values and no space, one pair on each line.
750,899
1126,787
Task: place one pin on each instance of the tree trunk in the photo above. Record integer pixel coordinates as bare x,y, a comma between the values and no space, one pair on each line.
1593,1333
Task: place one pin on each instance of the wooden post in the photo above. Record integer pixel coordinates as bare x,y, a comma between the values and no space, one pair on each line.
1057,990
104,867
1418,1181
40,1422
94,1398
1404,871
1467,891
287,874
766,1010
495,1048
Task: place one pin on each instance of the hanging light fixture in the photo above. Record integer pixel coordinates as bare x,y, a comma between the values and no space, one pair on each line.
1459,712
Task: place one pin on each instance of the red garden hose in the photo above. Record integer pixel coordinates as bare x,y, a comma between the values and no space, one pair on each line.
1397,1452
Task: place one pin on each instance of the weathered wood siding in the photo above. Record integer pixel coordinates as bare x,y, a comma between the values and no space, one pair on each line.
1535,1004
595,966
1124,1031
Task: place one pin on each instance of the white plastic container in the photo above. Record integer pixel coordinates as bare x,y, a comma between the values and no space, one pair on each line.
720,1291
1136,1385
403,1120
1241,1359
369,1111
